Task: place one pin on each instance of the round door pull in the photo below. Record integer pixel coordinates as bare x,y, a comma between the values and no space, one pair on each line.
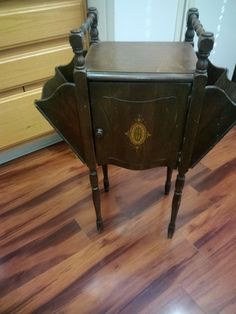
99,133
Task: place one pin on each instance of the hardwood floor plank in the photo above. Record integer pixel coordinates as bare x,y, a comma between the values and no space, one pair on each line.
147,276
50,251
173,301
211,229
51,224
214,291
222,153
217,176
52,260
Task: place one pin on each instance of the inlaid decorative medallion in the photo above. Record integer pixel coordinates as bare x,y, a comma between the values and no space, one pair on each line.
138,133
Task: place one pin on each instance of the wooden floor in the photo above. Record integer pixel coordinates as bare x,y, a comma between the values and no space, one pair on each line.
53,261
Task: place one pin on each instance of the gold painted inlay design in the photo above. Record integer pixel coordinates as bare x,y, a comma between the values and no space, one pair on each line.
138,133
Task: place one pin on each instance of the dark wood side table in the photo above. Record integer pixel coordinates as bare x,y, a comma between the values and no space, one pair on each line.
140,105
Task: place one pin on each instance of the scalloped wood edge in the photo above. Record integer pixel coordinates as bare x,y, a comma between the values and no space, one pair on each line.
222,127
61,76
228,86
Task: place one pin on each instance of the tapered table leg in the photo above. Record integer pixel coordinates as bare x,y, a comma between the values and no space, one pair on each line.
176,203
105,178
168,180
96,198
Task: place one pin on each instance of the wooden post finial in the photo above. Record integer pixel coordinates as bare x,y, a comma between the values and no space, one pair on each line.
93,30
189,35
205,45
77,36
76,42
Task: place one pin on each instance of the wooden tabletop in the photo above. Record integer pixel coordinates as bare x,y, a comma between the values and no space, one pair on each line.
141,60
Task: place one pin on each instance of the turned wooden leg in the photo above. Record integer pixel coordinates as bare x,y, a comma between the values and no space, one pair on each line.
168,180
105,178
176,203
96,198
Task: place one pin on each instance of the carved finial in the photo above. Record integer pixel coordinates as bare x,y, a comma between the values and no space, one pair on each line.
76,41
77,35
93,30
205,45
189,35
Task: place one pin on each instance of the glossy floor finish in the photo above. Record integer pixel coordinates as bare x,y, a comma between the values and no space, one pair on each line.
53,261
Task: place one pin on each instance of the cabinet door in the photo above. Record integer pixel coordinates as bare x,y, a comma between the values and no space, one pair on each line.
138,125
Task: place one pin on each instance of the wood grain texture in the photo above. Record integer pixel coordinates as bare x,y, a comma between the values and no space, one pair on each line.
53,261
34,21
118,107
19,120
20,70
163,57
33,40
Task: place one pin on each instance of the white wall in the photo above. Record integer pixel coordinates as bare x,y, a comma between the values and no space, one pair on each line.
145,20
140,20
105,18
219,17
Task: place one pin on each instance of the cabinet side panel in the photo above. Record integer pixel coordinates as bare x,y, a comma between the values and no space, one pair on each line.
218,116
61,112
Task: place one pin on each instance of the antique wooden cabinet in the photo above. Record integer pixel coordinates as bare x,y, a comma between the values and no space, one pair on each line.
140,105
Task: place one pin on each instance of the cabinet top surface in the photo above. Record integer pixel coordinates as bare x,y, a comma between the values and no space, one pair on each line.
150,60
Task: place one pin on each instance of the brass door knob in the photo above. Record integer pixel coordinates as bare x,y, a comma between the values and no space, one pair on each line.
99,133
